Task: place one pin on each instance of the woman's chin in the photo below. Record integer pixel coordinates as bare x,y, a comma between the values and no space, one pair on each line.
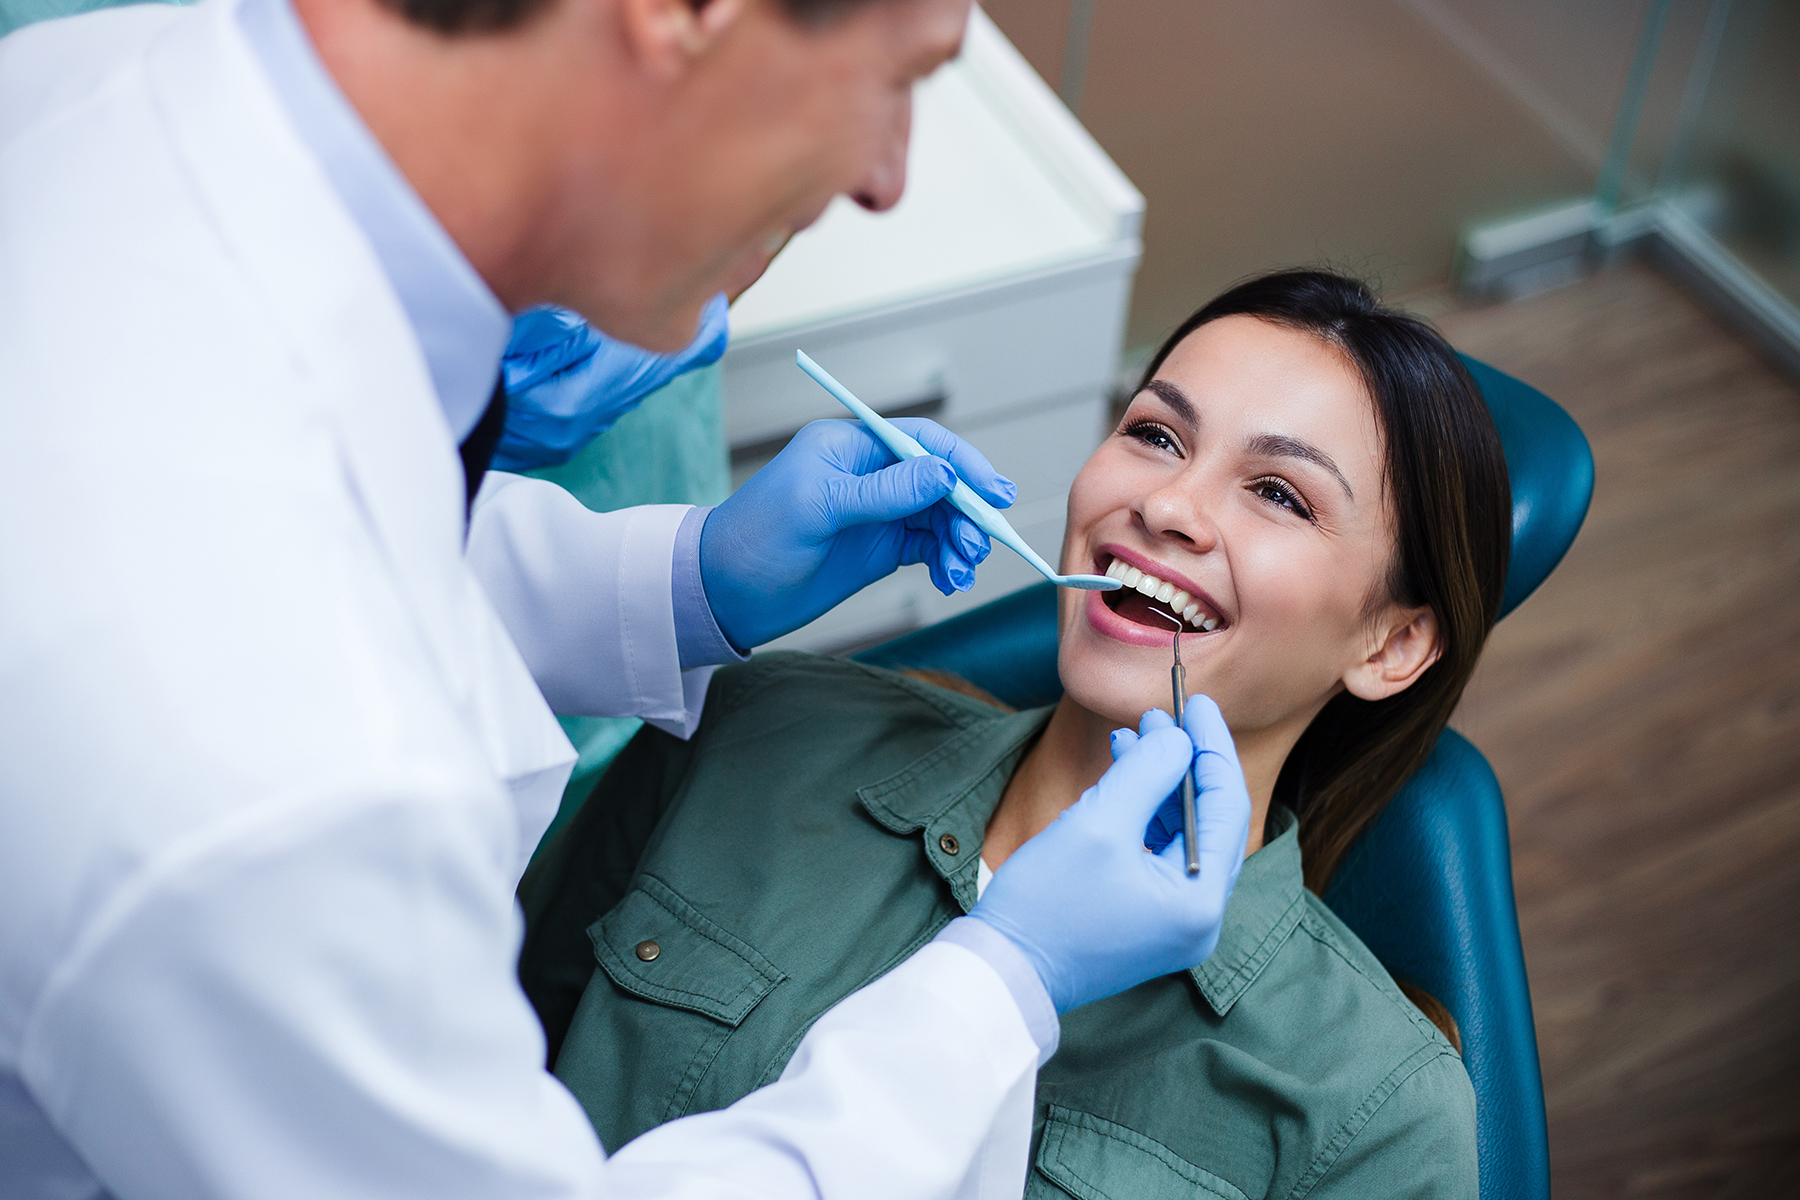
1118,694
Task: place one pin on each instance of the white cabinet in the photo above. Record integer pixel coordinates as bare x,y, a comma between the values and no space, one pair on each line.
992,299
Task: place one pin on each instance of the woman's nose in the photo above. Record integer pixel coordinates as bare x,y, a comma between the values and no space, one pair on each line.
1180,514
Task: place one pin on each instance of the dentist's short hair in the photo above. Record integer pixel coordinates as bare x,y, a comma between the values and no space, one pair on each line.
493,16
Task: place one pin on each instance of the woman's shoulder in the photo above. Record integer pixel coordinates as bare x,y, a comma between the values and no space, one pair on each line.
1404,1106
1344,954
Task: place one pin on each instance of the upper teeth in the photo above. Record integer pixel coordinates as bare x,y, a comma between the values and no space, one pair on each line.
1163,593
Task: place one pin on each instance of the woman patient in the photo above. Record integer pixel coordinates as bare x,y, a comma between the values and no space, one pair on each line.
1312,486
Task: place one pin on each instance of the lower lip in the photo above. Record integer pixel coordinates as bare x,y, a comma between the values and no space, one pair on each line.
1110,624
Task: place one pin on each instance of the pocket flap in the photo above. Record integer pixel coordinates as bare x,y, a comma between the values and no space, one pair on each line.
1095,1159
656,945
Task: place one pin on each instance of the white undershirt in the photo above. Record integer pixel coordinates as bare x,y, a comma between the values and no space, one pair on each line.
984,875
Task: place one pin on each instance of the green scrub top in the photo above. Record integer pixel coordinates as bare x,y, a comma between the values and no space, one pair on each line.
712,898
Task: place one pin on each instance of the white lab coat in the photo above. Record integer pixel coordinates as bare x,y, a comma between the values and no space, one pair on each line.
270,763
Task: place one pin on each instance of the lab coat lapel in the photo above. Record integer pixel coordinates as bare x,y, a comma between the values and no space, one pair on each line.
355,352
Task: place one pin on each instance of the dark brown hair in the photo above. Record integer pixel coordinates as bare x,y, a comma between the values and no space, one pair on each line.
1447,487
492,16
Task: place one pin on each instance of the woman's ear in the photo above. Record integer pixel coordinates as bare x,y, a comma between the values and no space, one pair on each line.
1409,643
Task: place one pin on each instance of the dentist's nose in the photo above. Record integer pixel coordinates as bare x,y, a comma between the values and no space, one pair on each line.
881,188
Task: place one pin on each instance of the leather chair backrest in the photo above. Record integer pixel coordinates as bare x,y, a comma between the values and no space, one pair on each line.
1429,886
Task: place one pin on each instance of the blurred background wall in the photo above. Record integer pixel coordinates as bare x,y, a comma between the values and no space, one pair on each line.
1373,133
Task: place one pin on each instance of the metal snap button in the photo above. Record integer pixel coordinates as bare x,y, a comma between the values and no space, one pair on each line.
648,950
948,844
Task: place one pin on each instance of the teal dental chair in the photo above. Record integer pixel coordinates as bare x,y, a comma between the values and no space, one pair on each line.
1428,887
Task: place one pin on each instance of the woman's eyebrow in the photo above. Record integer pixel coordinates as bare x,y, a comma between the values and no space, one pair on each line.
1275,445
1176,399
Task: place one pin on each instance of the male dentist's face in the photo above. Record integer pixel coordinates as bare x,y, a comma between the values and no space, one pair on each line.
744,142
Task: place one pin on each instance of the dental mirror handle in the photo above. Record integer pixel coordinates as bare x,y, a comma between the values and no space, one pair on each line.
985,515
1190,815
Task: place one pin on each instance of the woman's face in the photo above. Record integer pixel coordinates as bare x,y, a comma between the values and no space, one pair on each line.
1248,476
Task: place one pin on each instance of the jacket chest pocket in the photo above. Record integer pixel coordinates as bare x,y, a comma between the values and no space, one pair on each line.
669,988
1084,1156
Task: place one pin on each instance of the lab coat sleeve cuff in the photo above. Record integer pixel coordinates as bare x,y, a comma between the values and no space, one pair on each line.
1015,970
587,598
702,643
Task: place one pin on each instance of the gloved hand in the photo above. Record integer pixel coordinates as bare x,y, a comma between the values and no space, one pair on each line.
1093,910
1217,757
566,381
831,514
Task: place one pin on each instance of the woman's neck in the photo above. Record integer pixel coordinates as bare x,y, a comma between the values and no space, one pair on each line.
1074,751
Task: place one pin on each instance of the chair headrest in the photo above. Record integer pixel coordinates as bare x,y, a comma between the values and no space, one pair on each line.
1551,470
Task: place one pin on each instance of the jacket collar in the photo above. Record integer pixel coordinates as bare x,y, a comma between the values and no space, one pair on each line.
462,328
1265,907
311,270
954,789
307,269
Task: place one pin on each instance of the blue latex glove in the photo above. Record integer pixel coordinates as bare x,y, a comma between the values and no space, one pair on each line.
1096,912
1165,826
831,514
566,381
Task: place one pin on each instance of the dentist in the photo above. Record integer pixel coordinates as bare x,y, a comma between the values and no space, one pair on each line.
279,652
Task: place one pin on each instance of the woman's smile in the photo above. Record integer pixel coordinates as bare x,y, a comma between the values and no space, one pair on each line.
1154,593
1155,601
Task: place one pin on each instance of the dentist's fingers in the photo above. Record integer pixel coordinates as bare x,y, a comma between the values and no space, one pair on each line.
968,538
889,494
971,464
1154,719
1222,798
1128,795
1123,740
1206,726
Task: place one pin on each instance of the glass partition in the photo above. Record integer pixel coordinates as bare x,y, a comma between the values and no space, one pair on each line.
1732,163
1374,133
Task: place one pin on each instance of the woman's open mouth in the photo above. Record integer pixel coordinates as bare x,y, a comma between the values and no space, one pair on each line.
1156,603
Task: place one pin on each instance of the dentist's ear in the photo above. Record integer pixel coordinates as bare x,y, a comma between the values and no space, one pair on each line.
1408,641
669,34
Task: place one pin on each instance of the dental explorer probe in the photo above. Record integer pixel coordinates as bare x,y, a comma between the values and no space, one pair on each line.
985,515
1190,817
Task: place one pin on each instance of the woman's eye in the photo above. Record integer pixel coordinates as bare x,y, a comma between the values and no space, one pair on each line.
1153,435
1278,493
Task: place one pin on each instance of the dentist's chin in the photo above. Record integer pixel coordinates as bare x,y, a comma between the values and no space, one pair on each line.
755,261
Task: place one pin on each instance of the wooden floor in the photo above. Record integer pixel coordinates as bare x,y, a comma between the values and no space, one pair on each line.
1643,714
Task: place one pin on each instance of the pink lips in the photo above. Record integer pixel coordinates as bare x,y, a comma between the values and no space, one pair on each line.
1110,624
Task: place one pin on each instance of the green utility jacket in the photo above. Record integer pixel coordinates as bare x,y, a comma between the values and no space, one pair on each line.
824,823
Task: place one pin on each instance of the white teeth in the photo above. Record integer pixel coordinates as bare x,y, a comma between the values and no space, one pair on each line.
1163,593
